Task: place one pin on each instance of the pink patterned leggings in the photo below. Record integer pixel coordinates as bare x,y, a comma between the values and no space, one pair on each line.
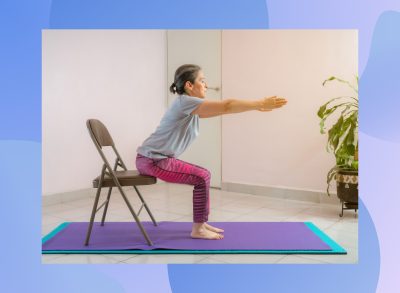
176,171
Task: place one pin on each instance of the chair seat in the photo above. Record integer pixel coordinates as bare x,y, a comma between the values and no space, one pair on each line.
126,178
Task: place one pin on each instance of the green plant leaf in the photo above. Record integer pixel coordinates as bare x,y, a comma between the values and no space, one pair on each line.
333,137
341,80
329,79
321,111
331,173
343,134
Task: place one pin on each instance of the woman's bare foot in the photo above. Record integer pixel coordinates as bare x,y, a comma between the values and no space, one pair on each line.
199,230
212,228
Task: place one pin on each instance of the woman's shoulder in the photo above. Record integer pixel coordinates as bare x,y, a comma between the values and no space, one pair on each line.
185,100
185,96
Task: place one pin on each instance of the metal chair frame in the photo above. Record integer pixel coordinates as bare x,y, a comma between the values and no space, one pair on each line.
111,172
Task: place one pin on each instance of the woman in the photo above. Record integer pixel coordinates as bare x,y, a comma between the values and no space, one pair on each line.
157,156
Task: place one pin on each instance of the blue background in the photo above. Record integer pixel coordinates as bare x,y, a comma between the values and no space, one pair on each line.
378,24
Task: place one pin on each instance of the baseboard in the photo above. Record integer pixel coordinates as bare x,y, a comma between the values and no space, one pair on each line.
65,197
276,192
282,193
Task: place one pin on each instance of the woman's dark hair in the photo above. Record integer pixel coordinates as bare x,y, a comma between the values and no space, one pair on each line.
186,72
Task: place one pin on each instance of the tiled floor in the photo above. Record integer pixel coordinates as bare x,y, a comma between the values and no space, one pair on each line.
174,202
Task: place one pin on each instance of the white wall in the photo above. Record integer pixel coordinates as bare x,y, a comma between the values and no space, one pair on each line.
282,148
117,76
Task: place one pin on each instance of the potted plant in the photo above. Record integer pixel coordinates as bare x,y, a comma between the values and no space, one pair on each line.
343,142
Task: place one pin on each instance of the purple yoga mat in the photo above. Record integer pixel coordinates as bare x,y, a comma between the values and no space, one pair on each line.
176,235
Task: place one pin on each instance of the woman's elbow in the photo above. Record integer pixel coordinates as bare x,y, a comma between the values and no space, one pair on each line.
227,106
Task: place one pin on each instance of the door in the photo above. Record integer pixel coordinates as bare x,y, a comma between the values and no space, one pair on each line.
201,47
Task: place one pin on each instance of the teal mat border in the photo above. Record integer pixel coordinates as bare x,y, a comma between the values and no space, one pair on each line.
336,248
54,232
329,241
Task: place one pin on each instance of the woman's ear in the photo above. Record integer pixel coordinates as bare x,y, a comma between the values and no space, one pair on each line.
188,85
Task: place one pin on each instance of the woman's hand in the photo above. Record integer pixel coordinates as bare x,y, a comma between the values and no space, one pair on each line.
271,103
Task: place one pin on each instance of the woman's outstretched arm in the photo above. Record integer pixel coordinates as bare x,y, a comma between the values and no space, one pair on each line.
229,106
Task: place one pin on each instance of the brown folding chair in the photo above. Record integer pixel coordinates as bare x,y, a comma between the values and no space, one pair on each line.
112,178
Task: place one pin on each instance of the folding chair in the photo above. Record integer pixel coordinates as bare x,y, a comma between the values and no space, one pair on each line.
112,178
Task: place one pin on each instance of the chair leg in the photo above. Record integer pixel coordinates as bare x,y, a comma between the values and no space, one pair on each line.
106,206
96,201
145,205
149,242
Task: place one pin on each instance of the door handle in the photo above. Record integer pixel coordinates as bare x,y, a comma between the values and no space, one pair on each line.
213,88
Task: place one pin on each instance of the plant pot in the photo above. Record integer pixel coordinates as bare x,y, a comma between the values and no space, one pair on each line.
347,189
351,205
347,186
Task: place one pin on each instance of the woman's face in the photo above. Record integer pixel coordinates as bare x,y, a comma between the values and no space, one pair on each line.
199,88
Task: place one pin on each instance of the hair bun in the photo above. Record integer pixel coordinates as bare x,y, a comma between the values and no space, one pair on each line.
173,88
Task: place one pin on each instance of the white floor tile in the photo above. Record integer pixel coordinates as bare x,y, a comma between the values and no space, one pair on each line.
49,220
327,211
79,203
344,225
228,195
245,258
74,212
82,259
320,222
351,257
120,257
210,260
344,238
216,215
46,229
183,209
49,258
239,207
257,218
56,208
263,215
294,259
164,258
188,218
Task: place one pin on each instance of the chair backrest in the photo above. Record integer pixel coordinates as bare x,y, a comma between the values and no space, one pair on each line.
101,137
99,132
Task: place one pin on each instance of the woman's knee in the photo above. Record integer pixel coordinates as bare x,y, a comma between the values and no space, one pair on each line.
208,175
205,178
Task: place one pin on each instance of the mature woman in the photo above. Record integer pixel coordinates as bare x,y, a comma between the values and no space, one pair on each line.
157,156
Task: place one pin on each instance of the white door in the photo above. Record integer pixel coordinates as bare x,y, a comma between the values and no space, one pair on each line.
201,47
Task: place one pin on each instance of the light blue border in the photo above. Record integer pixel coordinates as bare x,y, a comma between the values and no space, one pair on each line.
20,130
